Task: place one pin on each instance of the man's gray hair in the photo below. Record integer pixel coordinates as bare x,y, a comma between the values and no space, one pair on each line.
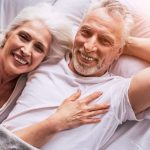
114,9
57,24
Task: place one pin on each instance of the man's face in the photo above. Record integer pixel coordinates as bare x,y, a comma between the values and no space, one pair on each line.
97,44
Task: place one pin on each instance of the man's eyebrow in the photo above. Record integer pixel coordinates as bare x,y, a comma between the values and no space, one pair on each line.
108,37
104,35
85,27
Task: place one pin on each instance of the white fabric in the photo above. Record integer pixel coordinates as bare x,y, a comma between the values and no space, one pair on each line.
8,106
74,10
58,82
130,136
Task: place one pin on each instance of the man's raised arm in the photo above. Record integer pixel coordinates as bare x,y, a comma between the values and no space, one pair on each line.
139,91
138,47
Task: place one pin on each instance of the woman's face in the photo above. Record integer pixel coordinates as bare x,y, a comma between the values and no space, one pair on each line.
26,47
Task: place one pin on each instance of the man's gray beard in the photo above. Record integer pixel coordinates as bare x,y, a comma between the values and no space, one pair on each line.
84,70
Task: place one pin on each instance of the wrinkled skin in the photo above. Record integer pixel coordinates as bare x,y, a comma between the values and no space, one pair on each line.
97,44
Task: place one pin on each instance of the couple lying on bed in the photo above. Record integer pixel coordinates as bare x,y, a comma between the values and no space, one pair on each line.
102,37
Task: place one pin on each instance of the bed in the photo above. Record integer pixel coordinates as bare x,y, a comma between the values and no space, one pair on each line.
135,135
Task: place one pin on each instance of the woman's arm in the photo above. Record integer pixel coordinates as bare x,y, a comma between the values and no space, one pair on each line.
72,113
138,47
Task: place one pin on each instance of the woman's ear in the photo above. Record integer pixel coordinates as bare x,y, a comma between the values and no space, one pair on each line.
4,40
2,44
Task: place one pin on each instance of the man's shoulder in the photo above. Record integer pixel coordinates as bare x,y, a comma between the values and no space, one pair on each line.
118,82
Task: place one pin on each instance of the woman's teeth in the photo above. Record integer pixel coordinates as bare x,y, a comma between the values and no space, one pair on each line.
21,61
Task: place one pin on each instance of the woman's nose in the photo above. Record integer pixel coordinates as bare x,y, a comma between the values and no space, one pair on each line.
26,50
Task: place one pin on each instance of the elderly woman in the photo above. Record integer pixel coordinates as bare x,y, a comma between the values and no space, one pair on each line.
28,41
36,35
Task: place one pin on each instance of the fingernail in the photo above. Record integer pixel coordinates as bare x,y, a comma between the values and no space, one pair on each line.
108,105
99,92
79,90
97,119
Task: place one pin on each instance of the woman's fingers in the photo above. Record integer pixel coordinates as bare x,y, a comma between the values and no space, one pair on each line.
98,107
91,120
91,97
74,96
95,113
74,113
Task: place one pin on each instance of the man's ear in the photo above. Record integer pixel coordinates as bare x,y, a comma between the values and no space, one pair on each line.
120,51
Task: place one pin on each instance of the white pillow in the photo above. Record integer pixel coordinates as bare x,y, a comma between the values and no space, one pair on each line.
10,8
73,9
126,65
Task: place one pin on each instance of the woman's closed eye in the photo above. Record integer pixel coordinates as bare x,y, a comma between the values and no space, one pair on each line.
24,36
39,47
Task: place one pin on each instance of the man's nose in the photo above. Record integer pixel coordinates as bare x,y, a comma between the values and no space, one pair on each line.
90,45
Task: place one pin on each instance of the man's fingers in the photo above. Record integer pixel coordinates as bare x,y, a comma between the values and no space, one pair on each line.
74,96
91,97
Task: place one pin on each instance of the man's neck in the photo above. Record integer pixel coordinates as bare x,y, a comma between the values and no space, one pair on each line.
71,67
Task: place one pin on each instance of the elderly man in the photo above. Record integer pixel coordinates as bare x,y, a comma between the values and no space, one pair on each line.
98,43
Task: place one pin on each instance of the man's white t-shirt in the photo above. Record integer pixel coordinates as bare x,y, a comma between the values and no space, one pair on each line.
46,89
